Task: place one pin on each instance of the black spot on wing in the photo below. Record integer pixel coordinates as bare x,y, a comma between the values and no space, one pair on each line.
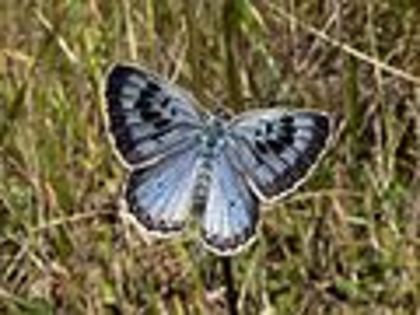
287,120
146,95
149,115
165,102
143,104
321,121
276,145
173,112
287,130
269,127
261,147
287,140
153,87
162,123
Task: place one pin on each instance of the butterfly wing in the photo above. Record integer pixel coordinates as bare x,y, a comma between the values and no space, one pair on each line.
276,149
160,196
231,213
147,116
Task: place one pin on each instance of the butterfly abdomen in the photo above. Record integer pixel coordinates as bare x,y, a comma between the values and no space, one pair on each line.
211,145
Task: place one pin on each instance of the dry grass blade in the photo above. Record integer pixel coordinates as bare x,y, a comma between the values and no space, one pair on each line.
280,14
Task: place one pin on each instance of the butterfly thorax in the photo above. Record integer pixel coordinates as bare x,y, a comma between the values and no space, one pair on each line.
213,137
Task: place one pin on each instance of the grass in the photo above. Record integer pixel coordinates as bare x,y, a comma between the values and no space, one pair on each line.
348,242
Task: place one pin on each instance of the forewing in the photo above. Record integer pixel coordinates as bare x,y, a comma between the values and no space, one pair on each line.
276,149
160,196
147,117
231,213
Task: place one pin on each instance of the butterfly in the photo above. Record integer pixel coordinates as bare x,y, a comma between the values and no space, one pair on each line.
182,158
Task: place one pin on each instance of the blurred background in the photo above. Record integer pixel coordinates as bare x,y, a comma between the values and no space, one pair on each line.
348,242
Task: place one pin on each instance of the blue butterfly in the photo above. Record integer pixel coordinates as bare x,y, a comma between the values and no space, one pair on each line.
182,157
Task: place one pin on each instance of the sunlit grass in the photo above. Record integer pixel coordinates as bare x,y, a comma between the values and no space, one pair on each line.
346,243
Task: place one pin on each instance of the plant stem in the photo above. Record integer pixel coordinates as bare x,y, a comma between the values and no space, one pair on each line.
231,295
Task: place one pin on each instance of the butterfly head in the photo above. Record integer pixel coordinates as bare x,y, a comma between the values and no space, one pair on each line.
222,112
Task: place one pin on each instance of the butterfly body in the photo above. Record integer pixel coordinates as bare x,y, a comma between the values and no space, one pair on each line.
181,157
211,142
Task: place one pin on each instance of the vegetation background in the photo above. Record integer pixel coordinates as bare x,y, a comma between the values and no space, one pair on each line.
348,242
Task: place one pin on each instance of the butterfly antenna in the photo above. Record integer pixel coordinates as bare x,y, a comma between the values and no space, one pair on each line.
231,294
